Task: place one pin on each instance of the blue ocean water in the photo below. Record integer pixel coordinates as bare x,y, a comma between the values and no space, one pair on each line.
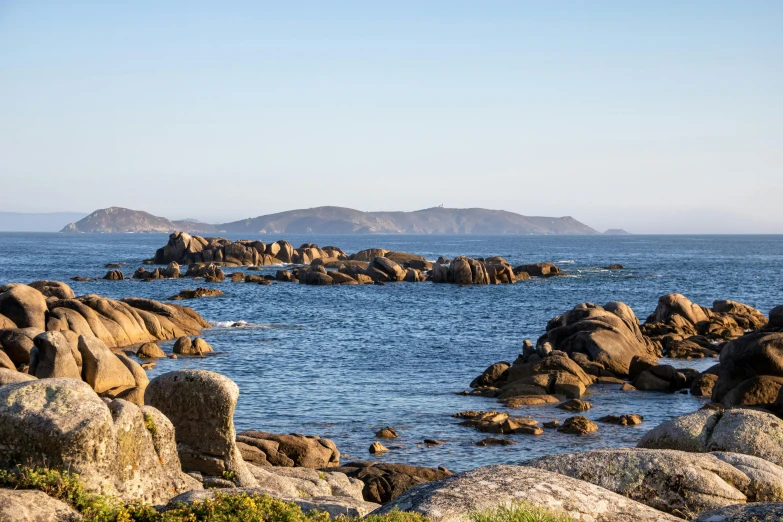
345,361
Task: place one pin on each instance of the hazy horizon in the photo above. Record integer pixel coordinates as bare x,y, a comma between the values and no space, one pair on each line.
659,118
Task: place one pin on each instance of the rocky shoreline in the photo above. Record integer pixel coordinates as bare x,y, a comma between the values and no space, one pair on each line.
74,398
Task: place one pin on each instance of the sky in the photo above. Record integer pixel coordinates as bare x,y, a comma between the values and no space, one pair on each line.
655,117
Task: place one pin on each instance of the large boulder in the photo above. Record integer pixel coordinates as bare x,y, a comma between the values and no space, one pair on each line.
200,405
24,305
453,499
608,335
17,343
52,356
288,450
466,271
56,289
101,368
63,424
538,270
746,431
29,505
676,482
384,269
751,371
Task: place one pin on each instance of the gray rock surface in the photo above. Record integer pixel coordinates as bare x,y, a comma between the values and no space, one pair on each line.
34,506
677,482
63,424
453,498
764,512
742,430
11,376
200,405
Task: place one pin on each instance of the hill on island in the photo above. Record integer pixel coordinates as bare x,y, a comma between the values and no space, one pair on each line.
338,220
438,220
117,219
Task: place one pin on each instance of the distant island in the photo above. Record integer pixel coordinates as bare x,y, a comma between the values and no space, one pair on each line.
124,220
617,232
338,220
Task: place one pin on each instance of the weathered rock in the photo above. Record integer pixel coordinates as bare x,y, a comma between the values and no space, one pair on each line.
491,375
743,363
703,385
150,351
385,269
384,482
578,425
52,357
387,433
101,368
17,343
201,347
6,323
55,289
11,376
24,305
530,400
498,422
377,447
631,419
34,506
284,276
172,271
291,449
62,424
762,512
556,373
661,377
184,346
575,405
750,432
200,405
6,362
454,498
466,271
114,275
196,294
676,482
607,334
538,270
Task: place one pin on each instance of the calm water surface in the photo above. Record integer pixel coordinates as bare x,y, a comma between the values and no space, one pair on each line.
344,361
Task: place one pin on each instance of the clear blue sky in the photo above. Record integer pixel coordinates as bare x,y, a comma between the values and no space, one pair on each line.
650,116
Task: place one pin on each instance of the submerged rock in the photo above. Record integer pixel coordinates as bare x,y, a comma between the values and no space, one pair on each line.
384,481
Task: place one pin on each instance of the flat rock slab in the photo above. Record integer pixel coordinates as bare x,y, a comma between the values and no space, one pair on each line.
454,498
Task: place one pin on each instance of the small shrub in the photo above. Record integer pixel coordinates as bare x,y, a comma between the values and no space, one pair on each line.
149,423
520,512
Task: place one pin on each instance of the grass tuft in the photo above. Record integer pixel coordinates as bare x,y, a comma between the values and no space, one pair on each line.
520,512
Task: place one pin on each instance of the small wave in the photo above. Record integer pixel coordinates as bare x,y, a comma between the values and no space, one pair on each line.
236,324
566,262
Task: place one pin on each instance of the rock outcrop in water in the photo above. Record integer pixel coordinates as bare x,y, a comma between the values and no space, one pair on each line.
608,335
676,320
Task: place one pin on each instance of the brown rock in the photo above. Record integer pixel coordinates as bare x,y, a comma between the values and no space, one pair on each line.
578,426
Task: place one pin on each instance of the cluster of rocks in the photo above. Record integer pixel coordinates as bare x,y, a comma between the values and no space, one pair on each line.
329,265
185,249
183,440
682,329
593,344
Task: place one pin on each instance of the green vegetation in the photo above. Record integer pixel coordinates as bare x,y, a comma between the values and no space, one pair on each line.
149,423
520,512
66,487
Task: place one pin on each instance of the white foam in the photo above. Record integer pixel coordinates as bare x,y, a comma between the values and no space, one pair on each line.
566,262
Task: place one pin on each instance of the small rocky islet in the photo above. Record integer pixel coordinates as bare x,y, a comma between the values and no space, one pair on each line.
74,396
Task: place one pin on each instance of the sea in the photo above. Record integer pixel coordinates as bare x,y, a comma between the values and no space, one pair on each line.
345,361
